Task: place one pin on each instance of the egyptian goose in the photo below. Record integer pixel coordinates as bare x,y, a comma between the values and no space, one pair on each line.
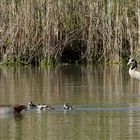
9,109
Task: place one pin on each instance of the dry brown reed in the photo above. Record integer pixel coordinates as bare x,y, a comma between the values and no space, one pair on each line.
32,31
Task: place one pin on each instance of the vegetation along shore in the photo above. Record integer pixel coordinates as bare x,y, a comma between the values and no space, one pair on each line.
68,31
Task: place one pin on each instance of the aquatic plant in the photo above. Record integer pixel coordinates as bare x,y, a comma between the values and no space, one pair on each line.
35,31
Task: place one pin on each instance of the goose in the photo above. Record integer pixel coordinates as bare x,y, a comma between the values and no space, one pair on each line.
11,109
67,106
31,105
133,69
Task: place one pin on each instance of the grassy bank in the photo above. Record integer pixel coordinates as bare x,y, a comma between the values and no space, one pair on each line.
47,31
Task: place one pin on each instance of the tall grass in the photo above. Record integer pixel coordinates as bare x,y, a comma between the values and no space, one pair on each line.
32,31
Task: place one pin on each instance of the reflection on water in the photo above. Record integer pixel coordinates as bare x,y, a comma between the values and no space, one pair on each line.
107,103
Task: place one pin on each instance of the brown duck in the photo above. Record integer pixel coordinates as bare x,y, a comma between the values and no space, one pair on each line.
9,109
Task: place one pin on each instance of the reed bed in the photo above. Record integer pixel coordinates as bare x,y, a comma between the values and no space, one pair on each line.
36,31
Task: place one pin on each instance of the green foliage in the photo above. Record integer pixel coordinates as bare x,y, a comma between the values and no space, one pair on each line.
10,61
46,62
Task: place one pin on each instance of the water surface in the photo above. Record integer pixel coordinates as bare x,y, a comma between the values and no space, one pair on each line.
107,103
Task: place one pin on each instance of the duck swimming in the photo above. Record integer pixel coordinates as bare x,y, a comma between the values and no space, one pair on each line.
67,106
133,69
42,107
11,109
31,105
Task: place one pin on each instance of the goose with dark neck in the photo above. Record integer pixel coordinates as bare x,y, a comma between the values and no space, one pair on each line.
133,69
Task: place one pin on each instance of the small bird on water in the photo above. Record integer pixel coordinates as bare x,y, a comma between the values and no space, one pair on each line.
44,107
67,106
31,105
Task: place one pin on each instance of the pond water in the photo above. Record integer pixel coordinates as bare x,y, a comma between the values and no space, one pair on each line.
107,103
